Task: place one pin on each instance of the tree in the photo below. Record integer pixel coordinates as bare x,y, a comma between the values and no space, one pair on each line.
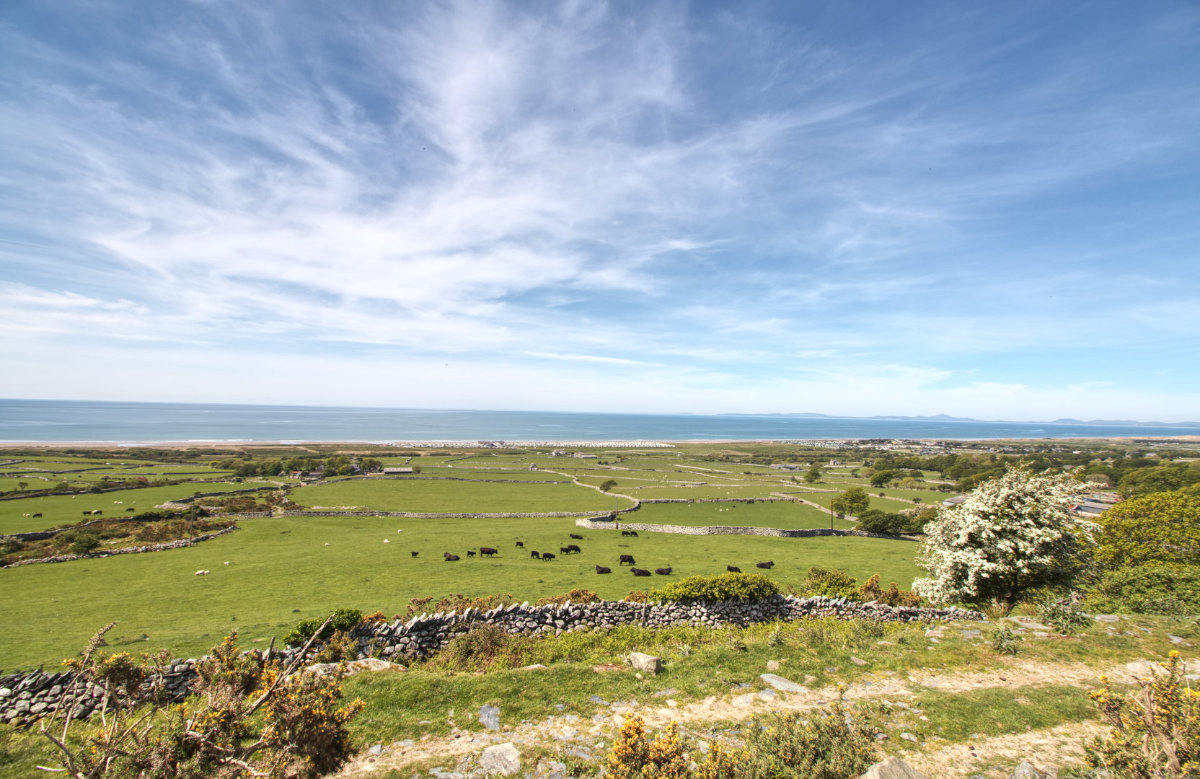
1159,528
1013,533
813,474
608,485
852,502
882,478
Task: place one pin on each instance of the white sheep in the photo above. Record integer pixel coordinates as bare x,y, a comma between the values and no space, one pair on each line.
202,573
386,541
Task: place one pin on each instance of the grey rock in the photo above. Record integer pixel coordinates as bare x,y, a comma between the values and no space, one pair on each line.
1106,618
489,717
909,737
892,768
781,684
857,661
376,749
1026,770
644,662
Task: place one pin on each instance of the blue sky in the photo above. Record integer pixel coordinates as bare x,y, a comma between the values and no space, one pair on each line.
987,210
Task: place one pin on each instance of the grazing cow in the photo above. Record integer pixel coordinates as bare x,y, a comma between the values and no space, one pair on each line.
575,548
629,533
520,545
564,550
131,508
414,554
576,536
39,514
487,551
470,553
767,564
450,558
640,571
534,554
733,569
547,555
602,569
627,558
663,571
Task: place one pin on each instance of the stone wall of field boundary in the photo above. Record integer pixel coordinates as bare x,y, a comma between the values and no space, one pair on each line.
177,544
722,530
201,495
26,697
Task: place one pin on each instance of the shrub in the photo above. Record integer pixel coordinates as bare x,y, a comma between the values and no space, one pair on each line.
637,596
1155,730
882,522
84,542
633,757
831,744
892,596
1006,641
1160,528
1012,534
1172,590
455,602
344,620
725,586
246,718
830,582
1063,614
480,648
574,596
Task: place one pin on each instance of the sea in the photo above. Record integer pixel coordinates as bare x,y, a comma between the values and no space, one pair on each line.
66,421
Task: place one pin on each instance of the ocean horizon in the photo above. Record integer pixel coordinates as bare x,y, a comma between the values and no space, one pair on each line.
66,421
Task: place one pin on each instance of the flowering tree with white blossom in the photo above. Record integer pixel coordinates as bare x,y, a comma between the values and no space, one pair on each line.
1012,533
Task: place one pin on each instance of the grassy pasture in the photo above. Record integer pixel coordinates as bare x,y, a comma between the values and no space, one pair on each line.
68,509
444,495
281,571
788,516
701,491
498,474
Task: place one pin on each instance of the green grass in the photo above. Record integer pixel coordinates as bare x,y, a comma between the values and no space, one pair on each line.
446,496
281,571
778,514
59,510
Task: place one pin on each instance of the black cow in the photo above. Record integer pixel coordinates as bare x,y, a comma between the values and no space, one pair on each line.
520,545
487,551
571,548
602,569
576,536
547,556
450,558
629,533
534,554
564,550
639,572
414,554
733,569
470,553
131,508
663,571
767,564
627,558
39,514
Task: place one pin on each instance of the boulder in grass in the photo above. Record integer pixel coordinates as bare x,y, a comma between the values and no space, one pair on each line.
644,662
892,768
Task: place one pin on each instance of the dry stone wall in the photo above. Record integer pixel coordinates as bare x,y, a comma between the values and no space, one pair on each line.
26,697
721,530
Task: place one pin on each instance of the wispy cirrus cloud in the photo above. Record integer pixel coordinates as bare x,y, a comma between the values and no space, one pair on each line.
666,189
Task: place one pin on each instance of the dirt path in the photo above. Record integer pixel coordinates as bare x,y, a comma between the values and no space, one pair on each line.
1047,748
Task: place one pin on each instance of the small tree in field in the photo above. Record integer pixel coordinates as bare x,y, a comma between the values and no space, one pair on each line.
1013,533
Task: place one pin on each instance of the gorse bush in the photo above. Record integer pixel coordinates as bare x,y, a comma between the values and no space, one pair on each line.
246,718
1155,730
666,756
892,596
344,620
726,586
574,596
831,744
830,582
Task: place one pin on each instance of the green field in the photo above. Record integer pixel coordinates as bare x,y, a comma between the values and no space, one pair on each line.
59,510
281,571
429,495
785,515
